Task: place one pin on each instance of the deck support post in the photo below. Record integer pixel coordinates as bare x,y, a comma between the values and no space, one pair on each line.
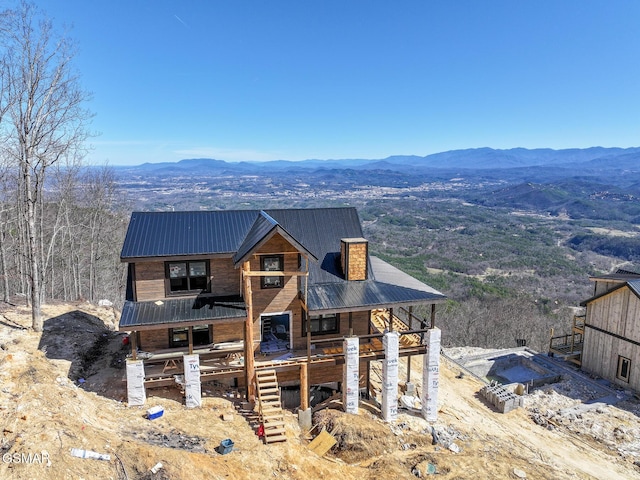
190,337
433,315
134,345
308,327
249,363
304,386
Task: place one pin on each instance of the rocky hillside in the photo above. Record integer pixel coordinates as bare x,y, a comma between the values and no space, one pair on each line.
64,389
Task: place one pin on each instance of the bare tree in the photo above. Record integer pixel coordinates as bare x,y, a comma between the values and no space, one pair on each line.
49,123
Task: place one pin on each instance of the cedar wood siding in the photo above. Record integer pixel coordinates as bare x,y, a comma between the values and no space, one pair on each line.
275,300
150,278
150,286
226,280
150,340
619,314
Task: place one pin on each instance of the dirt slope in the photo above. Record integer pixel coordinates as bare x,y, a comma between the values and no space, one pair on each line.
45,408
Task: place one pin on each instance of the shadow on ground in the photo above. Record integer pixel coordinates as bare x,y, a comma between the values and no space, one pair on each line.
96,354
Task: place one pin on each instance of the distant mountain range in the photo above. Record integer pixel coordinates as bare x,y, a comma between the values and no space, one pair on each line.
588,159
599,183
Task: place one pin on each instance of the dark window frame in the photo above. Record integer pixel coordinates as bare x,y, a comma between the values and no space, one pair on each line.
185,331
189,290
318,319
275,281
623,370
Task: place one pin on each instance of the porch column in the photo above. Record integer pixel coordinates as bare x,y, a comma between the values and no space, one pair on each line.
304,386
190,337
307,318
433,315
133,338
410,323
249,365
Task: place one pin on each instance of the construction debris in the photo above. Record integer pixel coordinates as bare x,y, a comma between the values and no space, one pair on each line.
322,443
82,453
501,398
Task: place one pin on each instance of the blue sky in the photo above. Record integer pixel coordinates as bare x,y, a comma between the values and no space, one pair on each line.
265,80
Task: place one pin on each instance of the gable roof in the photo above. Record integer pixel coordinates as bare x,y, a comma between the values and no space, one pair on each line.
236,232
262,230
315,231
633,285
619,275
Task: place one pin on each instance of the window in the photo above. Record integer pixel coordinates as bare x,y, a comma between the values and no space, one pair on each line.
323,324
624,368
187,277
272,263
179,337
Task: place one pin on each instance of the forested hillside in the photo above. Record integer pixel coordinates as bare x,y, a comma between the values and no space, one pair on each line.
60,226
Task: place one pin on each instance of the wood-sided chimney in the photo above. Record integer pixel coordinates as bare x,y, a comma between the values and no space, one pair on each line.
354,253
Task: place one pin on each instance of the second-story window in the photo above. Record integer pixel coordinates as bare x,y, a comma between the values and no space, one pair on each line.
272,263
187,277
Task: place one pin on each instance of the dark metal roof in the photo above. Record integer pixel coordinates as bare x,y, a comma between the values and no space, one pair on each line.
262,229
164,234
187,311
620,275
238,232
365,295
317,230
262,226
320,231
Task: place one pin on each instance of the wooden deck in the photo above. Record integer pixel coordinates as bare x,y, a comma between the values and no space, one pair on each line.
569,347
164,368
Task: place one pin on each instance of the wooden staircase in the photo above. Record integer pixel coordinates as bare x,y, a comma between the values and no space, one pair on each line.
380,321
270,407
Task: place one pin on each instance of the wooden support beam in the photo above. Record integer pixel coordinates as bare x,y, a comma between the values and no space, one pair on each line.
133,338
391,319
433,315
249,361
408,368
190,337
351,324
304,386
275,273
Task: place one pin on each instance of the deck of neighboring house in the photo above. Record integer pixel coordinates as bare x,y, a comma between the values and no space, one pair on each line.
569,346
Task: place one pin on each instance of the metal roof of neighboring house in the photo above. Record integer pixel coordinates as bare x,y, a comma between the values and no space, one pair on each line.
173,312
634,285
619,275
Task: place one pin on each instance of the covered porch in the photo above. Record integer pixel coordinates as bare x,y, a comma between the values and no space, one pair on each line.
320,363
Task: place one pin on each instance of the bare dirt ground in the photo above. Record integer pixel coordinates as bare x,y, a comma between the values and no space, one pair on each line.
63,389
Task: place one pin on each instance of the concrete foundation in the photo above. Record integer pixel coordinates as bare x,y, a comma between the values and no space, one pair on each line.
305,419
